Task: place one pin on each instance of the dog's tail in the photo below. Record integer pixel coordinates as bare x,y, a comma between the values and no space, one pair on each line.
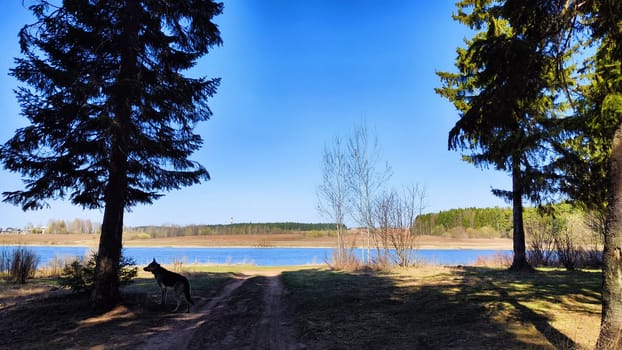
187,292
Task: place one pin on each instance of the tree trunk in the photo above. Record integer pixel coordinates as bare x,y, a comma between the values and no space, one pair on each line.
519,262
611,323
106,285
106,291
106,288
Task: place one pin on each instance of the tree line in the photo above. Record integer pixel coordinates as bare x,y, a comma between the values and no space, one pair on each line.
231,229
577,228
498,220
61,227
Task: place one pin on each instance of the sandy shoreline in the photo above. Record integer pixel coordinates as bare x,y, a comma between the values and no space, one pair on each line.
286,240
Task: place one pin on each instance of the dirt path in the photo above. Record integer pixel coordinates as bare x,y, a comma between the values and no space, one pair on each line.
248,314
275,329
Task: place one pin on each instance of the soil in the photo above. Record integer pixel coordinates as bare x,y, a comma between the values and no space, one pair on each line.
248,312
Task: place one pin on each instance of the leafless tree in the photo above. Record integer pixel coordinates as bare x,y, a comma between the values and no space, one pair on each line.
384,213
365,177
395,215
333,192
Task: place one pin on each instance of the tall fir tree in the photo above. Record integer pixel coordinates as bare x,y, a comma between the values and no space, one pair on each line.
111,111
505,93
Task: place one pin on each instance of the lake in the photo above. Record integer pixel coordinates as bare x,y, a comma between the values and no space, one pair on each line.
255,256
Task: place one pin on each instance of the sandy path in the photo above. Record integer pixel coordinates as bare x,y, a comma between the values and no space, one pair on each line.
249,313
275,329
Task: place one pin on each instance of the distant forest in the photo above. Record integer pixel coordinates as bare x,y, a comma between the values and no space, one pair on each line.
230,229
455,223
497,222
492,222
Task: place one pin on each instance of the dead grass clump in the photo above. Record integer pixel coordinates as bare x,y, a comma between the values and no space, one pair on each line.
344,260
55,266
499,259
178,264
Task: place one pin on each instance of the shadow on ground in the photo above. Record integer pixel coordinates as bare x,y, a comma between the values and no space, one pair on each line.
66,320
472,308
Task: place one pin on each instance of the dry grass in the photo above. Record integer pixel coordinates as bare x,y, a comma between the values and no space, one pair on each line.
499,259
437,307
430,307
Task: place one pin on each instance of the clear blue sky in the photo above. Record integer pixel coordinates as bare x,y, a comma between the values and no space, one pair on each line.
294,75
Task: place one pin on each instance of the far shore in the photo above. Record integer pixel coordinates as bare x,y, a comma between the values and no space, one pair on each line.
284,240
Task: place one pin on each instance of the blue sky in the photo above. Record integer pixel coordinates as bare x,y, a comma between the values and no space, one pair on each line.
294,75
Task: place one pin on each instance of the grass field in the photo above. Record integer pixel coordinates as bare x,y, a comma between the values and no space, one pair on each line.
440,308
423,308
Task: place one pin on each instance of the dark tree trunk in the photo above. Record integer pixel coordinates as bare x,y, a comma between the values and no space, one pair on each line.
106,288
106,291
519,263
611,323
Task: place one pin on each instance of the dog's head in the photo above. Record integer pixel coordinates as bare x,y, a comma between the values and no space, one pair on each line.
152,267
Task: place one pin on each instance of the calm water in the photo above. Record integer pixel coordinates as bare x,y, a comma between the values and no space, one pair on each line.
256,256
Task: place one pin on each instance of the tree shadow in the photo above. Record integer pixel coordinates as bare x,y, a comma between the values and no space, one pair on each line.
464,308
69,321
582,288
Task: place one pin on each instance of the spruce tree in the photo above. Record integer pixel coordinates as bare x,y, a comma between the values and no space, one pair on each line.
504,91
111,110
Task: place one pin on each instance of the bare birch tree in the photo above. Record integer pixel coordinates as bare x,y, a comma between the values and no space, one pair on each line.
333,192
404,240
365,177
383,209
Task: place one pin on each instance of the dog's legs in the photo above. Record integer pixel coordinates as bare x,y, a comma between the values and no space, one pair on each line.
163,300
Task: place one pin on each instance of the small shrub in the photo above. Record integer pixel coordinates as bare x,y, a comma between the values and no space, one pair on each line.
344,259
20,264
380,263
592,258
319,233
568,253
457,233
5,262
79,275
541,247
143,235
76,276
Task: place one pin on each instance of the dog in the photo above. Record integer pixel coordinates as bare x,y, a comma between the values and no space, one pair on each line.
166,279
